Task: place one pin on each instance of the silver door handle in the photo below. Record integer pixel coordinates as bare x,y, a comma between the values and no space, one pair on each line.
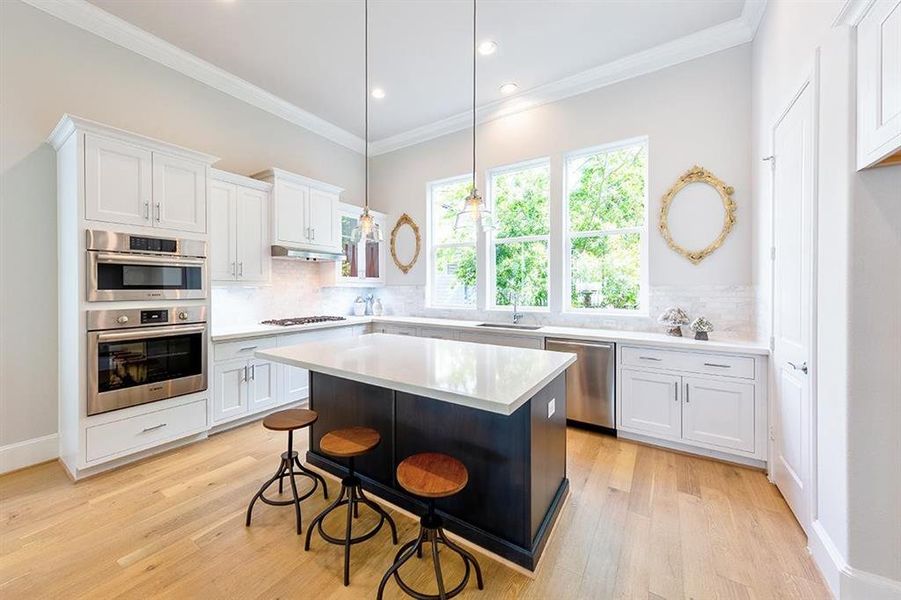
246,348
802,367
146,211
253,372
154,428
234,269
313,232
157,212
241,269
717,365
686,393
306,232
676,390
650,358
244,375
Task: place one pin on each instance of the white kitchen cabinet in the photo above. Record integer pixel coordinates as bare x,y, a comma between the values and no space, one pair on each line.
230,390
179,193
295,383
118,181
262,385
364,262
879,85
239,228
651,402
396,329
304,211
718,412
517,341
439,333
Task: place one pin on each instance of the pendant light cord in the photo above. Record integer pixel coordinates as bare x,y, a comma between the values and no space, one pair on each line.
474,52
366,105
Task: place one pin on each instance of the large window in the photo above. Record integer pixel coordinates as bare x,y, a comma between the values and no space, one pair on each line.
518,253
606,230
452,259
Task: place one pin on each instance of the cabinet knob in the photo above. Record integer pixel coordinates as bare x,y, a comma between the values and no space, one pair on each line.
183,316
122,320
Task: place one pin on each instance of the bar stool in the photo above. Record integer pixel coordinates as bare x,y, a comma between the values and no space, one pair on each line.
350,443
430,476
289,420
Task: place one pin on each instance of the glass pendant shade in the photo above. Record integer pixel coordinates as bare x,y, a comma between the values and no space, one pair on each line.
367,229
474,213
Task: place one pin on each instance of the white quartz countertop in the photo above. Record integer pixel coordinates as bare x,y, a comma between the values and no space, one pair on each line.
715,344
497,379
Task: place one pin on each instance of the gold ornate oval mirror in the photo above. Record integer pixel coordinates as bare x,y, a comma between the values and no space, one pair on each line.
406,243
697,209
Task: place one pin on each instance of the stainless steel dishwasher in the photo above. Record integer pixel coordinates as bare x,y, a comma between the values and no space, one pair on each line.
590,388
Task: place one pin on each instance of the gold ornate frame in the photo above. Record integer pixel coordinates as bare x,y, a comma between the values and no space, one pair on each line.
698,174
405,220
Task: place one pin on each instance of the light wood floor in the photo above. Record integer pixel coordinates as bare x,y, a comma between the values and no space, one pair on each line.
640,523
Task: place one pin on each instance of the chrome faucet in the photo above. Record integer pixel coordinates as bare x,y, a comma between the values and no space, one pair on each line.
514,297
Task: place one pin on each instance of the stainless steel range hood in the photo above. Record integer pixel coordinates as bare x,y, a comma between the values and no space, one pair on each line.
304,254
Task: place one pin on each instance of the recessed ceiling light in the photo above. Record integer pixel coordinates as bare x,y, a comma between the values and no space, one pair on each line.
378,93
487,47
508,88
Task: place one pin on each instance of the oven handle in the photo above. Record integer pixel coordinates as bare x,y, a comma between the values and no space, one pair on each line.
155,332
146,259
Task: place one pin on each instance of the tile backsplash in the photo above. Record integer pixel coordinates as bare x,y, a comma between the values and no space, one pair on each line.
296,290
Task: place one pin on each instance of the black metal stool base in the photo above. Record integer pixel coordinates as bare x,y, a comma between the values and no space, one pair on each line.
286,468
352,496
431,532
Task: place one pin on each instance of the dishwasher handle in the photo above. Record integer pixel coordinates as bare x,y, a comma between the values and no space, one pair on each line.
603,346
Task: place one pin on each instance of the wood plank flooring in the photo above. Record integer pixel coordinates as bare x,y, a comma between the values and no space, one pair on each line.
640,523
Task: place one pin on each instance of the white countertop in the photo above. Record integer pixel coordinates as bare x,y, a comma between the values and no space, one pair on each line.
497,379
549,331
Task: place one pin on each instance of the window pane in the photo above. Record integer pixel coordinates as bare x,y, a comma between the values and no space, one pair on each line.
521,202
606,190
522,269
454,278
447,201
349,261
606,271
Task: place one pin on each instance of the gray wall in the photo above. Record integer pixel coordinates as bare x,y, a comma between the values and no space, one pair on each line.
48,68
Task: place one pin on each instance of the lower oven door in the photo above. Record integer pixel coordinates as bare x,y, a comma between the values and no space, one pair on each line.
128,368
127,276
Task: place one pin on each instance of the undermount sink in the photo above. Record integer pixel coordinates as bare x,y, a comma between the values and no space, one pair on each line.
509,326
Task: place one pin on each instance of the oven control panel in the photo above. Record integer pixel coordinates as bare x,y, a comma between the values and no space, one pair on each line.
150,244
155,316
99,320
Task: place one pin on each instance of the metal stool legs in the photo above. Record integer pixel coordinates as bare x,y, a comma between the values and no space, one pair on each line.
286,468
351,495
431,532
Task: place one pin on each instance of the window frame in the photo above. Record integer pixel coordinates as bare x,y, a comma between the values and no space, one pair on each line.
433,247
569,235
492,239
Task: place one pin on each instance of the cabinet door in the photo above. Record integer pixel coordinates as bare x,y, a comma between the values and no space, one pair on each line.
321,219
348,270
118,181
516,341
879,83
229,390
179,193
718,413
262,385
291,200
650,403
295,384
253,235
223,231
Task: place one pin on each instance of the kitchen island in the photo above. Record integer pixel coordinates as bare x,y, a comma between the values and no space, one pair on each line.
499,410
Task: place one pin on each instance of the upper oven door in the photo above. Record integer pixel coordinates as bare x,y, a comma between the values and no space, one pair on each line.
125,276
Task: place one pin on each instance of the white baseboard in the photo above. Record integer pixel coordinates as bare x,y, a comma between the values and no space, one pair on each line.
29,452
844,581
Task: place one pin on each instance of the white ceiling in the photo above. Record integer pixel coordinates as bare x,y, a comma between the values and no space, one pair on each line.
310,52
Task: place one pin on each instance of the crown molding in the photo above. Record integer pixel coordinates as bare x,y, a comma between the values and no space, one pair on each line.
852,13
714,39
95,20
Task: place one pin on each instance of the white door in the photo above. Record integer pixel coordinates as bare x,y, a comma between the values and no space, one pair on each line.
229,389
253,235
179,193
321,219
793,198
718,412
223,231
290,208
296,384
262,385
118,181
651,403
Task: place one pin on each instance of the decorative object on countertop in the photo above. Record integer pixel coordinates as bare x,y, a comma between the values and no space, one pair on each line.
368,298
405,221
674,318
377,308
359,307
697,175
701,326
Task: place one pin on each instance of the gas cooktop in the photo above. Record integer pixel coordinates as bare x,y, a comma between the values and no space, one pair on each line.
302,320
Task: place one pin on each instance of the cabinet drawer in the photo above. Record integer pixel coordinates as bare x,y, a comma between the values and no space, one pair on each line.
517,341
397,329
439,333
694,362
304,337
142,431
241,348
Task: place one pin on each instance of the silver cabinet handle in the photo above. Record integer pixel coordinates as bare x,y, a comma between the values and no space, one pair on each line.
253,372
234,269
686,394
717,365
650,358
802,367
154,428
244,374
157,212
241,269
306,232
146,211
313,232
246,348
676,390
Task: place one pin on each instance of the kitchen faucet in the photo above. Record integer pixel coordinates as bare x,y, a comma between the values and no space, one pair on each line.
514,297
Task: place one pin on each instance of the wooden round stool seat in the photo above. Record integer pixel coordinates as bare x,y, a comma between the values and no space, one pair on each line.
289,420
350,442
432,475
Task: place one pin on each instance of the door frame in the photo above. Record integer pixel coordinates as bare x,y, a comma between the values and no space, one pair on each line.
811,79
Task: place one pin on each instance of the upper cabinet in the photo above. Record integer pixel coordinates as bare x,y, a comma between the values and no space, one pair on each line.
118,181
304,211
363,264
179,193
239,228
879,85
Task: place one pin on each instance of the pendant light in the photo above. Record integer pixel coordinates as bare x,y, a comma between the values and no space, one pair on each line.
474,210
367,229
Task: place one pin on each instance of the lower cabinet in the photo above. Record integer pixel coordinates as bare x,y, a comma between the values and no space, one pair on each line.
651,403
720,413
243,387
517,341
